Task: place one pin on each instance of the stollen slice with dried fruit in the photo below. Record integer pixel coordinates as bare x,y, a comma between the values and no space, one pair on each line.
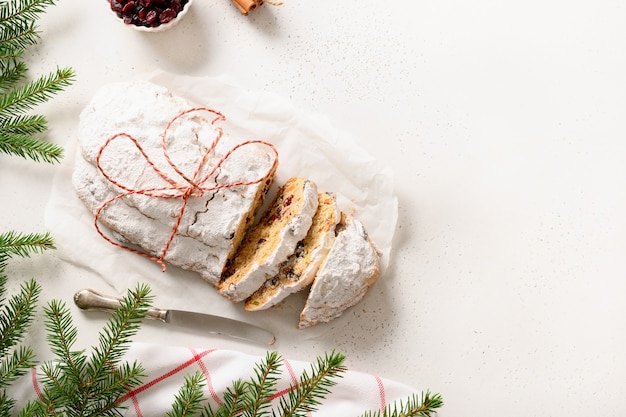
270,242
351,267
298,272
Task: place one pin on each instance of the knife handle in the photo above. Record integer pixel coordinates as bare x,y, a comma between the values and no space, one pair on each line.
90,300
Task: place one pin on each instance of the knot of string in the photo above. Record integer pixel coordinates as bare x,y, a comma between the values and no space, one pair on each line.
191,186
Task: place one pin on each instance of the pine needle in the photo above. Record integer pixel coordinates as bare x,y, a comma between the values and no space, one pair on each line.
16,364
233,401
35,92
17,131
17,314
92,385
307,395
19,244
262,387
11,72
30,147
188,400
415,406
23,125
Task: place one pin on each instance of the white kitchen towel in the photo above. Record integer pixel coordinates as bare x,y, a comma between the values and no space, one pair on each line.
167,366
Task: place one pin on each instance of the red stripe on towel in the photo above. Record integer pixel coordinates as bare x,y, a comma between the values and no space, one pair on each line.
36,387
381,393
196,359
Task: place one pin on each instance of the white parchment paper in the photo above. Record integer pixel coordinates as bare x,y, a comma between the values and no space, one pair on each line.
308,146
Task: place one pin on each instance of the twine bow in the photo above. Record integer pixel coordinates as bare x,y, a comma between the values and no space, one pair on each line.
183,189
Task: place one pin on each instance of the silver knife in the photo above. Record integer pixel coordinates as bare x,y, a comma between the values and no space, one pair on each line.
88,299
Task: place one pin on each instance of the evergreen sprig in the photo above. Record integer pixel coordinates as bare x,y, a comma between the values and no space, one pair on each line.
17,25
18,131
22,244
16,315
252,398
189,398
423,405
306,396
83,385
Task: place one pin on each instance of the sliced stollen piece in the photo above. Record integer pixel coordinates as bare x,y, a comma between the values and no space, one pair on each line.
270,242
135,196
298,271
351,267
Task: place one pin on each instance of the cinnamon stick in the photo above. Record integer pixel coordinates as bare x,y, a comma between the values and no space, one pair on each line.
246,6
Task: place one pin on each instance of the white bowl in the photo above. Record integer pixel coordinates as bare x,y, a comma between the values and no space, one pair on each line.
162,27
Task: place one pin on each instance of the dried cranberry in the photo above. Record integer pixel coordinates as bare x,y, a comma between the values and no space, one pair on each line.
129,7
141,14
151,17
167,15
116,5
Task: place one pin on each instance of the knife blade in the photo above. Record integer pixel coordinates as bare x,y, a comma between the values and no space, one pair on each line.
88,300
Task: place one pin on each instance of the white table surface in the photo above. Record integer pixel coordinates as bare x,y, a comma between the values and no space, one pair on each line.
504,124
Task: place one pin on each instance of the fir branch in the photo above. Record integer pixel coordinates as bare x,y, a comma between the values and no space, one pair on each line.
24,9
6,405
3,283
15,318
306,396
30,147
38,91
61,336
188,400
31,409
54,390
263,386
415,406
233,401
92,386
17,315
23,125
11,72
17,35
15,364
18,27
12,243
16,133
119,330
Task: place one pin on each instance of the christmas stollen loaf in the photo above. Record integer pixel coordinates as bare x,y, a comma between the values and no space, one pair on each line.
141,155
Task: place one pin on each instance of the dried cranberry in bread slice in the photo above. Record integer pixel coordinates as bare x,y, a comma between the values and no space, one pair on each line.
350,269
214,224
270,242
299,270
